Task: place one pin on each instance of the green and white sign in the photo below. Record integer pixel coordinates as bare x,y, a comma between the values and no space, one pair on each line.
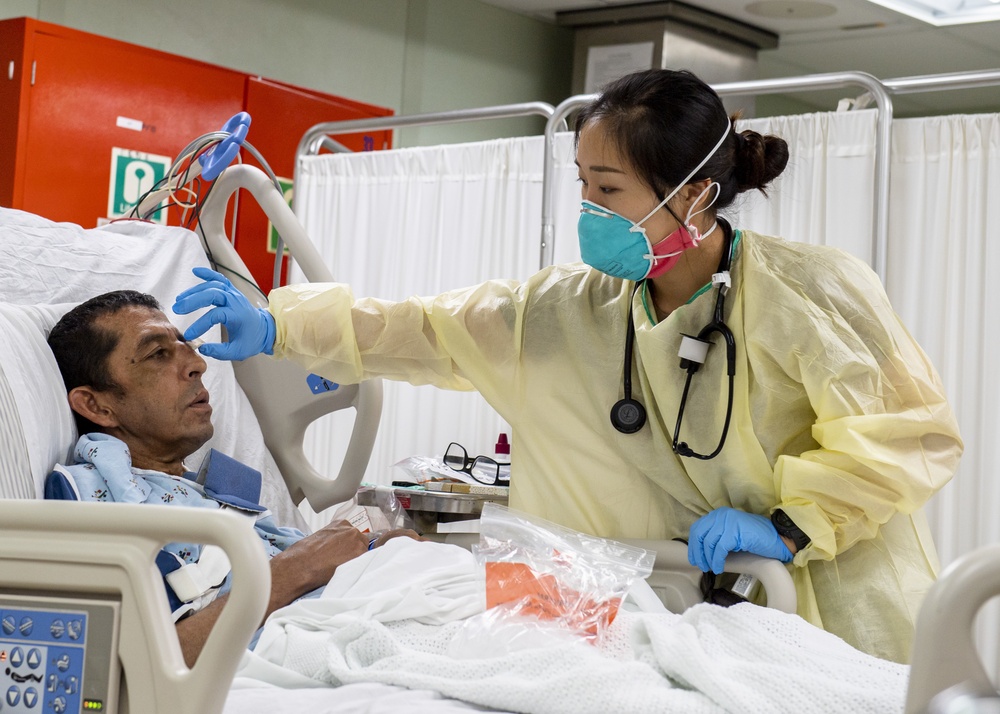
133,174
272,233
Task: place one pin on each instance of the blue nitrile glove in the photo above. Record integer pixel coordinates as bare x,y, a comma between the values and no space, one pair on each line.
726,530
251,330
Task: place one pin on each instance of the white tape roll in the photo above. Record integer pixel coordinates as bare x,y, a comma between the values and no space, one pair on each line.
693,349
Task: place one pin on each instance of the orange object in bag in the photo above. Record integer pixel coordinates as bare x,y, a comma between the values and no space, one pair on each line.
545,597
551,574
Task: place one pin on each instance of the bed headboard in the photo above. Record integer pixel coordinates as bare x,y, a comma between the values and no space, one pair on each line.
46,267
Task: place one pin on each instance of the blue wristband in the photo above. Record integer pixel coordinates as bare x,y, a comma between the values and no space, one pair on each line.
371,543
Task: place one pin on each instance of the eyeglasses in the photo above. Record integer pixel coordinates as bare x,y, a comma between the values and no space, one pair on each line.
482,468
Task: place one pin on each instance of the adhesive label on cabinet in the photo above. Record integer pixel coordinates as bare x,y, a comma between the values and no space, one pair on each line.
126,123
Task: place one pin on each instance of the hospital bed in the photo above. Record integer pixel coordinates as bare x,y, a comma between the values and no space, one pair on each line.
64,551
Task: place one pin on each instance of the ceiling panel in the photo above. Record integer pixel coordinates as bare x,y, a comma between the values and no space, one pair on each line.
857,35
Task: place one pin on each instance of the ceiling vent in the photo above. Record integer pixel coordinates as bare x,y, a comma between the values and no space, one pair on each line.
613,41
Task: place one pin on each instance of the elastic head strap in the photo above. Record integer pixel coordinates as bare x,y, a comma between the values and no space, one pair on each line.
691,175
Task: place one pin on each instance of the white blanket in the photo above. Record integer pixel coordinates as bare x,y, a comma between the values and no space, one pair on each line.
411,614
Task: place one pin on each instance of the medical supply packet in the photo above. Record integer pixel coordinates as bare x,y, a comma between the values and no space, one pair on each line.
387,514
548,574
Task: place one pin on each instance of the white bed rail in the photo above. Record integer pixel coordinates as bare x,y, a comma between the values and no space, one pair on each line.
678,579
282,400
71,548
944,651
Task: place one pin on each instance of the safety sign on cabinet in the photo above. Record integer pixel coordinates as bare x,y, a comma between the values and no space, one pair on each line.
133,174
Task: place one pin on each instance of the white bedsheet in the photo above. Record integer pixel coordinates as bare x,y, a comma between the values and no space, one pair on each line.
367,698
406,614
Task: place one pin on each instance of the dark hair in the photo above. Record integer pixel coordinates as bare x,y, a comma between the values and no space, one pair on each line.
81,347
665,121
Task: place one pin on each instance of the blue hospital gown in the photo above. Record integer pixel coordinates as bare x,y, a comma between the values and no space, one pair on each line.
103,472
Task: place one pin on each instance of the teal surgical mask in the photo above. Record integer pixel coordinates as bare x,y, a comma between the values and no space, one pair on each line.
620,247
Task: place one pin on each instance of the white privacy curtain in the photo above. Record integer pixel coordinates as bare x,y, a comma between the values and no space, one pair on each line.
943,268
825,195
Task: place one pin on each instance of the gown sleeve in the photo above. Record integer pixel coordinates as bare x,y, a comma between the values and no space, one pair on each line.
887,437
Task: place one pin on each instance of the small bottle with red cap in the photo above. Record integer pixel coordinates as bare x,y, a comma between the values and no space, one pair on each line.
501,454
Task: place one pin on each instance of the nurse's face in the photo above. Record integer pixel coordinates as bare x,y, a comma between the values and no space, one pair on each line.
608,179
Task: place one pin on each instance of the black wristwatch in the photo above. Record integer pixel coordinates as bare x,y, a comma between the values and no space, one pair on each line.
786,527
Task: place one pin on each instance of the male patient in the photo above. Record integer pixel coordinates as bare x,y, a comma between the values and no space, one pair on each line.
135,388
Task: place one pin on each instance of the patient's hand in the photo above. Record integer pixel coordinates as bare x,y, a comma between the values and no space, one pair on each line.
303,567
310,563
396,533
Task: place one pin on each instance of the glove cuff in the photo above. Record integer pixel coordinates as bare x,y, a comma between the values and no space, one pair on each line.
270,331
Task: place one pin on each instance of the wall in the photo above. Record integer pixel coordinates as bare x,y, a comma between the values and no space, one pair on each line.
413,56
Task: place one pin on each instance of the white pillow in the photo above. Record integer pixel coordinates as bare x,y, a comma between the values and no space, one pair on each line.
44,264
35,418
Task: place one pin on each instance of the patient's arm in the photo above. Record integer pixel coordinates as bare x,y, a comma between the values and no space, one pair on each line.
303,567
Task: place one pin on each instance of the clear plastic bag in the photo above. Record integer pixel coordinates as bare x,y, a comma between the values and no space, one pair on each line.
426,469
548,574
388,514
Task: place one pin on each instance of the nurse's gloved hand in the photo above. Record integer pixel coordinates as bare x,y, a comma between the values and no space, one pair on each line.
250,329
726,530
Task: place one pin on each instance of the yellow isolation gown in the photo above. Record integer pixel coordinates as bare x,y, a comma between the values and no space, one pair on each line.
839,418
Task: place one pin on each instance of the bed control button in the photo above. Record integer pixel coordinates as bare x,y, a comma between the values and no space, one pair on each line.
26,626
9,625
62,664
59,705
16,657
30,697
13,696
57,629
34,658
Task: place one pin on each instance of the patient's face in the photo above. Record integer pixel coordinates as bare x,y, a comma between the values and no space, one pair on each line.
164,411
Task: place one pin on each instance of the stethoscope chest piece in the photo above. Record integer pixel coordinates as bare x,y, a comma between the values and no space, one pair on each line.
628,415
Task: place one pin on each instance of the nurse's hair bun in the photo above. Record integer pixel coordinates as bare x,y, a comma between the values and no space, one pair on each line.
758,160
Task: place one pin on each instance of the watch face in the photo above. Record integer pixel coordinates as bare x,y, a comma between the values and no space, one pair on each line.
781,520
786,527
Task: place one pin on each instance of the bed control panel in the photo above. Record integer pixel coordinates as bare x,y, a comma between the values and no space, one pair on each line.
58,655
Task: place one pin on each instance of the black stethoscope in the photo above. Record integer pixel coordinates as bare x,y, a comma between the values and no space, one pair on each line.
628,416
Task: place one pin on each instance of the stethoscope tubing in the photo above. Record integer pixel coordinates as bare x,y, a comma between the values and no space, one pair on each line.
718,325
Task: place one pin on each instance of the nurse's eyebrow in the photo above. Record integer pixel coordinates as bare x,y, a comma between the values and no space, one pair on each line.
602,169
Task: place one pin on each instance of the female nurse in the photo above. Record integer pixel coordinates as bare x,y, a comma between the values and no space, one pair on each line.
805,424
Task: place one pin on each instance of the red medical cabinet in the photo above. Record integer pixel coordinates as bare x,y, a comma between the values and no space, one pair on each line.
88,123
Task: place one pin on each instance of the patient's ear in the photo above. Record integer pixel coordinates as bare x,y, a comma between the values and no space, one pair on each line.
93,405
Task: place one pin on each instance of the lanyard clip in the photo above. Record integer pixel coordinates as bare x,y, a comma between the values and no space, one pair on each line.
722,281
